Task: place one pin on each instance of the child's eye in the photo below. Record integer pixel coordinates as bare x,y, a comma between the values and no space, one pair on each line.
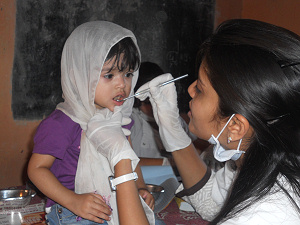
108,76
129,75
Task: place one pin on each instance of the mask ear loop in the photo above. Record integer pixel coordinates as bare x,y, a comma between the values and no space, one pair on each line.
225,126
240,142
238,147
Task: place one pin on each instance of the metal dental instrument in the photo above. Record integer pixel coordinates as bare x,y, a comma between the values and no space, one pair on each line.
160,85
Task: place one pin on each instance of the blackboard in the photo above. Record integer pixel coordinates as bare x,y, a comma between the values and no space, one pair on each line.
169,33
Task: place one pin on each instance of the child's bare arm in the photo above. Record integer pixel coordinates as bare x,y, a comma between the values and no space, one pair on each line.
141,185
89,206
129,205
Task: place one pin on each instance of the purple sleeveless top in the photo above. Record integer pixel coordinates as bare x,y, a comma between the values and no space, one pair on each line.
58,135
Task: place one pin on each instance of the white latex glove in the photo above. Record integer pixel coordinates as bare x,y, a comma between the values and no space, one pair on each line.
105,132
164,103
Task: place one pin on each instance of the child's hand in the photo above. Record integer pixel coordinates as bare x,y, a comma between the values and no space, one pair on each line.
90,206
148,198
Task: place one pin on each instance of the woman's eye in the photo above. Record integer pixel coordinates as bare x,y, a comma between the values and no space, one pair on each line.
129,75
108,76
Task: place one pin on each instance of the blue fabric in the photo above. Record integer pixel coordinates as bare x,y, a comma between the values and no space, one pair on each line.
157,174
159,221
62,216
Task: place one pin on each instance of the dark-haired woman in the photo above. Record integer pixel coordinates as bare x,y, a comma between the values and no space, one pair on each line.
246,102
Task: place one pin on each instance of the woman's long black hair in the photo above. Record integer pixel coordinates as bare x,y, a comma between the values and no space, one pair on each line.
255,69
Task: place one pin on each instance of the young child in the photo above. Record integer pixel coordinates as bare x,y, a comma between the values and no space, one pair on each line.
246,102
98,66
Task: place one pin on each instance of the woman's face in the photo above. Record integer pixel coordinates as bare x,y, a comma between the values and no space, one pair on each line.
203,107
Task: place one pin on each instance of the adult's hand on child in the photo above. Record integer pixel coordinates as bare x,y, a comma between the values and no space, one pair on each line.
106,134
91,207
148,198
164,103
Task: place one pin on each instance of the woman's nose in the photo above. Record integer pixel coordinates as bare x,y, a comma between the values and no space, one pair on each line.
191,89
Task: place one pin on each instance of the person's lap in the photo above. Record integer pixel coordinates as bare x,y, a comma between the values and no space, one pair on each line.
62,216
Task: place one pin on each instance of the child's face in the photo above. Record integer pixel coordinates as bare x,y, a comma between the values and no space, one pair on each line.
112,85
203,106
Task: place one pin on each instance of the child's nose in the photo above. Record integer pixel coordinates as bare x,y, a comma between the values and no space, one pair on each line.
121,83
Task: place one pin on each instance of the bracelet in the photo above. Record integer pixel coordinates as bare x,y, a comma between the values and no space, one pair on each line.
121,179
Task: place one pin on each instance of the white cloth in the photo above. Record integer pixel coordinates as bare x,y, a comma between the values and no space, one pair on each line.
273,209
83,56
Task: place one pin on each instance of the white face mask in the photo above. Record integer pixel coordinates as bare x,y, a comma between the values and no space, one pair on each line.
220,153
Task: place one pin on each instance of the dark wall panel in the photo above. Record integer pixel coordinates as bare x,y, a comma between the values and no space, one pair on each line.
169,33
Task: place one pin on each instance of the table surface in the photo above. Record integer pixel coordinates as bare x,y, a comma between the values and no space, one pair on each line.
172,215
32,214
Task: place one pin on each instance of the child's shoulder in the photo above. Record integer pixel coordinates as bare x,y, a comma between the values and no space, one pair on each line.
56,134
59,120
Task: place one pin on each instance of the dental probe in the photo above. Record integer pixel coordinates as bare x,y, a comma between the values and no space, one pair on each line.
160,85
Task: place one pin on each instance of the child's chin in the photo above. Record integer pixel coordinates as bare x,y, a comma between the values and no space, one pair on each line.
111,108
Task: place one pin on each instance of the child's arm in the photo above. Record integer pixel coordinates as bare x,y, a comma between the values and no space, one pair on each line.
115,145
129,205
89,206
142,188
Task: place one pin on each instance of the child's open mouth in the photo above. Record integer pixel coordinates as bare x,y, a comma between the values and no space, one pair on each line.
118,98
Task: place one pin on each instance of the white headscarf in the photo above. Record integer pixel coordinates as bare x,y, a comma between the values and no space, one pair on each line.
82,60
83,56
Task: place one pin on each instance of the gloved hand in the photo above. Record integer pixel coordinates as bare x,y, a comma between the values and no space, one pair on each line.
105,132
164,103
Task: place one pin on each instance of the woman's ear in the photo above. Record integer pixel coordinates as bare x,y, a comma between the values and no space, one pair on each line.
238,127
